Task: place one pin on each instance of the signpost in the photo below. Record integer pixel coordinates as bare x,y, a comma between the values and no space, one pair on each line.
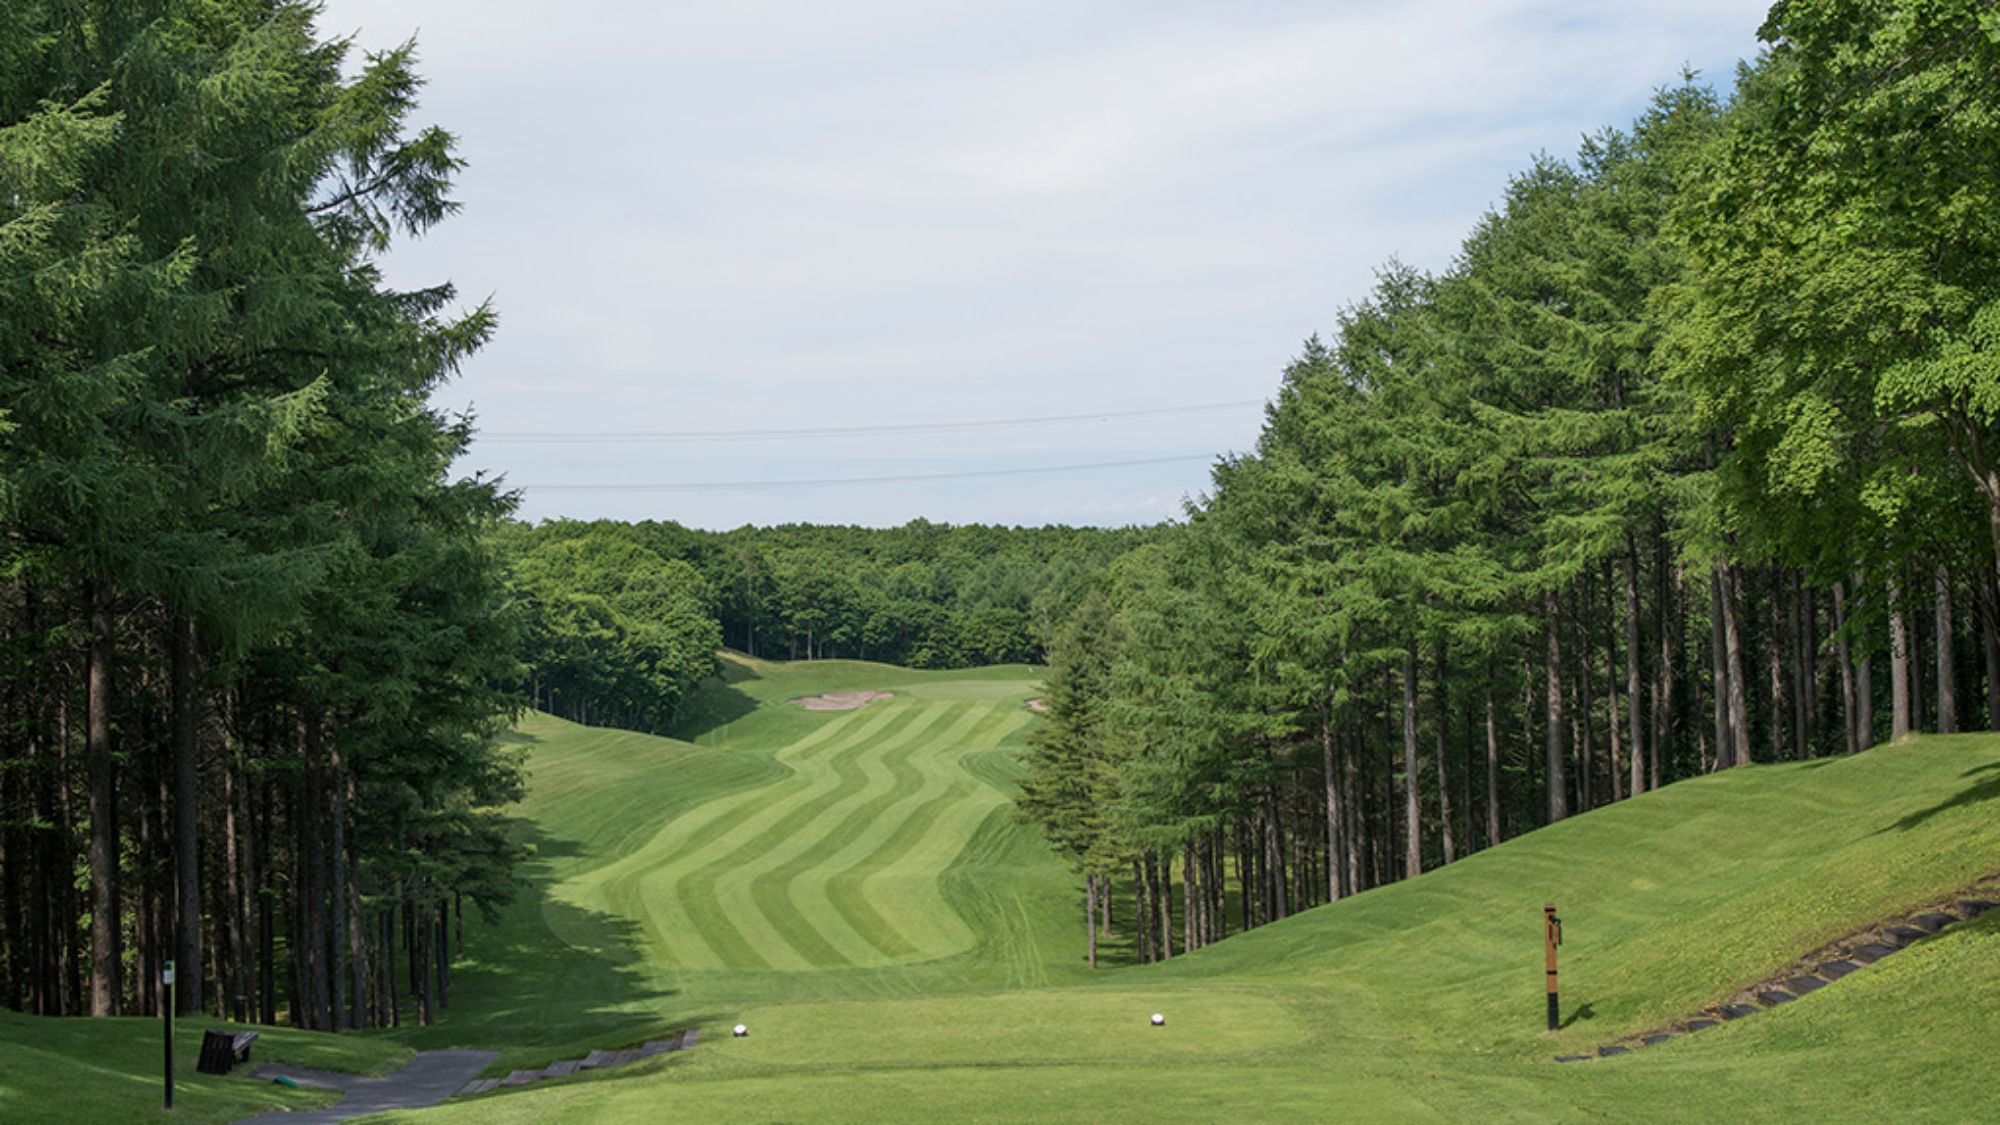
167,1009
1552,936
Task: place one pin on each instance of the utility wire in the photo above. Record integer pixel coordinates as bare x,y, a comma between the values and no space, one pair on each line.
524,437
824,482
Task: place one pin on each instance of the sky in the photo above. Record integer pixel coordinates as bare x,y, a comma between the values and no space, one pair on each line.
761,262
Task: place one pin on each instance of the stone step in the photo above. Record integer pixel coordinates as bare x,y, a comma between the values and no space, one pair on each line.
1607,1052
1904,935
1574,1058
1802,985
1974,907
1872,952
1934,922
480,1085
1702,1024
595,1059
1656,1040
1834,970
563,1068
1737,1011
1772,997
522,1077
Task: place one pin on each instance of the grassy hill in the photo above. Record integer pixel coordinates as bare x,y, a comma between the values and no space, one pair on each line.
787,869
89,1071
854,887
774,854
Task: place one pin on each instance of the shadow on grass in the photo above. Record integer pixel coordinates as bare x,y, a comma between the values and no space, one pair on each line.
1583,1012
1974,794
715,702
547,973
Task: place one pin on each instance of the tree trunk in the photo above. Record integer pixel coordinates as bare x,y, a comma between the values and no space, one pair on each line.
1718,652
336,885
1441,706
1413,819
1091,919
1989,637
1492,761
1899,664
1732,632
105,984
1558,796
349,891
1274,854
1335,870
1636,741
1850,712
237,983
1947,665
187,843
1775,661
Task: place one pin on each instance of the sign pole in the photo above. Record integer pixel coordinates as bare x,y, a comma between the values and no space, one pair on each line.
167,978
1552,936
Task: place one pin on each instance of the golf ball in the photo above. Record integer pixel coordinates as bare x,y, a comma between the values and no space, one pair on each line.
742,1031
1159,1020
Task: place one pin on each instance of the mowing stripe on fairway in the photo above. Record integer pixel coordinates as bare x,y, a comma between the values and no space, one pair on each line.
680,897
622,888
787,876
831,889
782,939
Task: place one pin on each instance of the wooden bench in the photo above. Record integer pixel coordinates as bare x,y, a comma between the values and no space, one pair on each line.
222,1050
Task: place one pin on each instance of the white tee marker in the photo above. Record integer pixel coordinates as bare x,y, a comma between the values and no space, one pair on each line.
1159,1020
742,1032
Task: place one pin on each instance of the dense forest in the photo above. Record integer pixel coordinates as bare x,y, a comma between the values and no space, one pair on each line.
1686,461
255,642
622,620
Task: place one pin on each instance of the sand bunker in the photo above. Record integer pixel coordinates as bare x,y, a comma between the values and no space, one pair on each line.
841,700
1039,706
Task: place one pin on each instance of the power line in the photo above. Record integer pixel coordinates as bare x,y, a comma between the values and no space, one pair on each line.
523,437
824,482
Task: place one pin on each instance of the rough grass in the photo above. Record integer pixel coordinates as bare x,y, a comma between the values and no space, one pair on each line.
82,1070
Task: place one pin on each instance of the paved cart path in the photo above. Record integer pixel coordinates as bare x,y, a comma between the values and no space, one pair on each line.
428,1079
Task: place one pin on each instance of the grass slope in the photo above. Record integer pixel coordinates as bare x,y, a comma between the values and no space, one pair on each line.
63,1070
776,853
904,951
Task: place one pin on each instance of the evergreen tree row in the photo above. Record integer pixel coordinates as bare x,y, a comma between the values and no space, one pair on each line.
256,647
1686,462
623,620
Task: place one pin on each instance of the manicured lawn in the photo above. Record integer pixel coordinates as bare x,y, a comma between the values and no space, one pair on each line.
854,887
83,1070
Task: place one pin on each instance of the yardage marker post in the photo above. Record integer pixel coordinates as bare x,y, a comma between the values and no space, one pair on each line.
1552,936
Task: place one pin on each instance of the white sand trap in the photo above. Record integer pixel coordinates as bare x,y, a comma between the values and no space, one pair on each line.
841,700
1039,706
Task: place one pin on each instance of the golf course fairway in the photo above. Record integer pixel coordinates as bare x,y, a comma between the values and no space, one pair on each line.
854,887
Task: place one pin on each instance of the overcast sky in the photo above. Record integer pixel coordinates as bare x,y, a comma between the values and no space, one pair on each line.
758,216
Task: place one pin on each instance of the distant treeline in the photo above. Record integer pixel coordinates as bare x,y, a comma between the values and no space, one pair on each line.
622,620
1691,459
253,653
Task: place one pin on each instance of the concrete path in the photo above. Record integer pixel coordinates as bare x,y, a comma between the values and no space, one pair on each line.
428,1079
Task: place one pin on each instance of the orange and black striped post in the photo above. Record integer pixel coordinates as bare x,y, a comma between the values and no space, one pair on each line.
1552,936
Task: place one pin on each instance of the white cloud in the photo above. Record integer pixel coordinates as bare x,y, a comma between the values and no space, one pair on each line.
720,215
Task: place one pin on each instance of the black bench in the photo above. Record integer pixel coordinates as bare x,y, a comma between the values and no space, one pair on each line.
222,1050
